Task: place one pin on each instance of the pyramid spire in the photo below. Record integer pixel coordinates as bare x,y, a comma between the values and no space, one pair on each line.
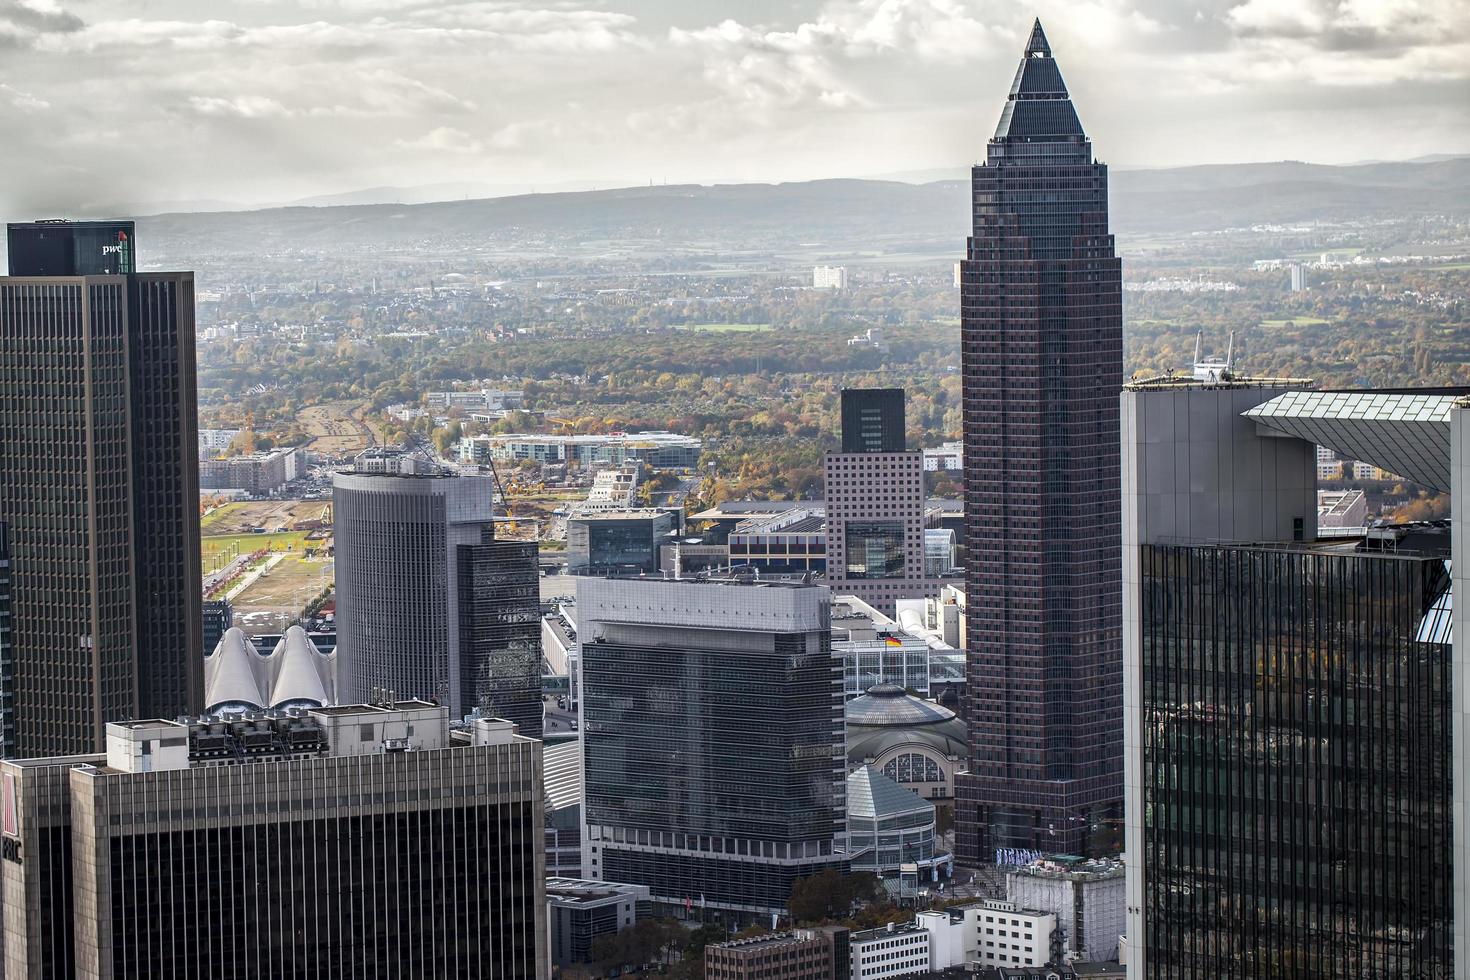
1038,107
1037,46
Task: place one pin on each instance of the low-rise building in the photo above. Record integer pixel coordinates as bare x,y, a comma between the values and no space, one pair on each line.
805,954
254,473
617,541
480,400
1088,898
579,911
1341,510
657,449
948,948
889,827
945,456
790,543
1008,935
875,649
215,441
894,950
939,553
918,744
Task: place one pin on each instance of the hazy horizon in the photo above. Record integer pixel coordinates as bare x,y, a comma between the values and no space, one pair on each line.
254,102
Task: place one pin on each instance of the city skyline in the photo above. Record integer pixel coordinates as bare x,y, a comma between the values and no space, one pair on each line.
276,100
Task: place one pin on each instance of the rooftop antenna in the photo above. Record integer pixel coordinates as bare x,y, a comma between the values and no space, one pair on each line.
1230,352
1199,336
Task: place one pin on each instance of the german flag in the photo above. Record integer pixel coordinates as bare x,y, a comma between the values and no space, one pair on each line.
893,641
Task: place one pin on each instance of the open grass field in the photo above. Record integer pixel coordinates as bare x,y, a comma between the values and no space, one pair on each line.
240,517
218,550
289,586
727,327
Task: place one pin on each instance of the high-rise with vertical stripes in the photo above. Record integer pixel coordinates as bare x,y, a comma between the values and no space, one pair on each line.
99,486
1042,357
364,840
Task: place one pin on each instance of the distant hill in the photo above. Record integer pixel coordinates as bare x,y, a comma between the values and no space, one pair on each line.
826,214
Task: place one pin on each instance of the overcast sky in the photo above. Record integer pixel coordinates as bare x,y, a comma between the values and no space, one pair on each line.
271,100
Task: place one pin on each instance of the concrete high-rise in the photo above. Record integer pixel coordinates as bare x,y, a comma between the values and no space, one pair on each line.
876,507
359,840
711,717
429,604
100,491
1042,357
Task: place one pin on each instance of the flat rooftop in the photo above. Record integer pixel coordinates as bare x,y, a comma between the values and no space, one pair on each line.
358,709
1180,382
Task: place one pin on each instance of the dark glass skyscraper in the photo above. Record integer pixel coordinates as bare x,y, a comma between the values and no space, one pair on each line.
500,631
712,740
1296,762
71,248
100,488
872,420
1042,354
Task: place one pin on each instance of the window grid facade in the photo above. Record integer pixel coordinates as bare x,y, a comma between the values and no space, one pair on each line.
1042,359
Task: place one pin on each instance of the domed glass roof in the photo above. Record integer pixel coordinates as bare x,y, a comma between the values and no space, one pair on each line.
886,706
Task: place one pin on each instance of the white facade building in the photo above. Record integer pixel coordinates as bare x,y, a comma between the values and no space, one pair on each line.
829,277
213,441
1008,935
947,938
483,400
945,456
897,950
1088,899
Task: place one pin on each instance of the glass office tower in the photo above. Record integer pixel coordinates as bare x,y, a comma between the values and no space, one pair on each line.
500,631
713,740
1296,761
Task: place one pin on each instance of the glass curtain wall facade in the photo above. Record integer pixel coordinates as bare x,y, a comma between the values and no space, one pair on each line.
873,420
875,549
1296,747
713,759
1042,359
500,631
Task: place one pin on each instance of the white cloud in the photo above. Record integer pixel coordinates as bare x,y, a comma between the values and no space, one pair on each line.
444,139
24,101
303,93
240,107
1355,43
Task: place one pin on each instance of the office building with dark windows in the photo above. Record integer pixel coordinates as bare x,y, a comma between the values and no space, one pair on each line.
361,840
500,631
97,413
618,542
7,651
1042,359
876,509
71,248
873,420
1292,716
711,718
429,603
